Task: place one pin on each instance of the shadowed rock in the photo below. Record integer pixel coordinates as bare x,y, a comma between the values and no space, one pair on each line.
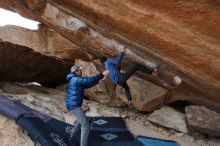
21,64
204,120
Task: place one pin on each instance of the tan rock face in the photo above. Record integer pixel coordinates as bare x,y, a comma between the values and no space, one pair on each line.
44,41
170,118
204,120
21,64
173,32
186,92
74,30
11,134
146,95
183,35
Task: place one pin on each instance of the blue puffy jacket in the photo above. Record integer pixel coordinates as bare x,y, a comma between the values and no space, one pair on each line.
111,65
75,89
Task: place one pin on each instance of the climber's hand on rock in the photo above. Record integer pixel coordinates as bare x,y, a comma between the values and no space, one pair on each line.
123,49
130,105
156,70
105,73
64,110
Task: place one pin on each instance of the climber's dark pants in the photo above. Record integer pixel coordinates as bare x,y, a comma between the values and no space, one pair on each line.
125,76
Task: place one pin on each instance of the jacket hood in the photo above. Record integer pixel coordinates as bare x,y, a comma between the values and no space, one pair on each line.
69,76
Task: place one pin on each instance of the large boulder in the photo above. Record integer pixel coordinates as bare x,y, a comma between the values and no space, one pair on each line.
146,95
170,118
204,120
176,34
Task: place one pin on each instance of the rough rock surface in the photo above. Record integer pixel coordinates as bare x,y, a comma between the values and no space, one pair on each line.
44,100
47,101
176,34
21,64
146,95
44,41
11,134
170,118
204,120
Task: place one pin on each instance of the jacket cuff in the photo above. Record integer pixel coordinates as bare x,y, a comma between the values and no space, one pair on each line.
101,76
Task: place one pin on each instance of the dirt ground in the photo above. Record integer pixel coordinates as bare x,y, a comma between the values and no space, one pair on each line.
139,125
52,102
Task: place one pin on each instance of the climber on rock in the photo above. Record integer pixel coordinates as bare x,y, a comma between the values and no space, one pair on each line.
117,77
